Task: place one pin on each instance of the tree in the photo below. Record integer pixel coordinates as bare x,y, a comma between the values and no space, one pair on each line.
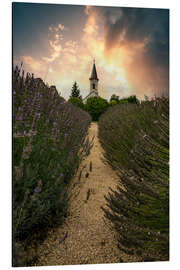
113,102
77,102
123,101
75,92
133,99
130,99
114,97
95,106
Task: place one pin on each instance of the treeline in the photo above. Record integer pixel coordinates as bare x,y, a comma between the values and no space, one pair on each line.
96,106
49,142
135,138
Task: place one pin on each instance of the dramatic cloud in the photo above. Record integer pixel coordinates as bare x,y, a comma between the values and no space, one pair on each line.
32,63
130,46
56,50
59,27
143,36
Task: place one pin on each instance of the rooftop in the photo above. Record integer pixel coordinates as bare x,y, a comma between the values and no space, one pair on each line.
94,73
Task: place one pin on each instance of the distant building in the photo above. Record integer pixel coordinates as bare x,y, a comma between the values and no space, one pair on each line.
93,83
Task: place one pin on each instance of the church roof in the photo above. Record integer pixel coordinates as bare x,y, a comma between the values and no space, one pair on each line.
92,93
93,73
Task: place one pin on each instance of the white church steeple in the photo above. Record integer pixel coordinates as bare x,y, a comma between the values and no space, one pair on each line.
94,81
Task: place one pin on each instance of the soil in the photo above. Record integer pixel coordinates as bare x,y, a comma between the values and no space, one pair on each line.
86,236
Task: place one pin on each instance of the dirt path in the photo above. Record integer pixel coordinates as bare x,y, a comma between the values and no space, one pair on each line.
85,238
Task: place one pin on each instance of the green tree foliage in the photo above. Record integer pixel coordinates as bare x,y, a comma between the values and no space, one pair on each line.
133,99
114,97
95,106
77,102
75,92
136,143
123,101
130,99
113,102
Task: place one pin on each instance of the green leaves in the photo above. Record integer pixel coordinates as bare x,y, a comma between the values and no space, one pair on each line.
138,149
77,102
75,92
96,106
45,155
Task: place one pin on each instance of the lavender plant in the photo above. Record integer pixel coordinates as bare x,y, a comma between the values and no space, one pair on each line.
49,141
139,208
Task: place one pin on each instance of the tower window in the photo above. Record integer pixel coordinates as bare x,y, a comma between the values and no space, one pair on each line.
93,85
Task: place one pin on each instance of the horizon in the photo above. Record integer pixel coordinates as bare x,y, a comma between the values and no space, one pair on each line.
58,42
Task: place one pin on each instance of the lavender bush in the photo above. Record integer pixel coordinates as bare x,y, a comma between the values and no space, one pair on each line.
49,142
136,144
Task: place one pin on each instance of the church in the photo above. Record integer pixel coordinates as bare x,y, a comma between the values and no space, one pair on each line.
93,84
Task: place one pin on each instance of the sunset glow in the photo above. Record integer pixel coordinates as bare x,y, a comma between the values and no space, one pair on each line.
59,42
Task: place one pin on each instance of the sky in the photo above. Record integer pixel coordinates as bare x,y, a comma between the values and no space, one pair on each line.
59,42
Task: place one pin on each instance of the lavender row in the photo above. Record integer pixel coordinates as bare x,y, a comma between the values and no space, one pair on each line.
136,143
49,141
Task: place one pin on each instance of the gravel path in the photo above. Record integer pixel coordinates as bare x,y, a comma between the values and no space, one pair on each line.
85,238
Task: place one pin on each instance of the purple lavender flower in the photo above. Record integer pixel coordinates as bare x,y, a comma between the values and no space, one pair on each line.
37,190
24,132
53,131
39,115
14,92
63,192
62,174
39,187
20,118
21,108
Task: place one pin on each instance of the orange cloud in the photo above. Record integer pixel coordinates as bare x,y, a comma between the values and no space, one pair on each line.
55,29
61,27
111,70
33,63
56,48
122,67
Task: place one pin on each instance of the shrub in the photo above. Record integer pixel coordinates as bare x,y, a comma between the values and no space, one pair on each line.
124,122
139,208
123,101
114,97
49,142
130,99
77,102
95,106
113,102
133,99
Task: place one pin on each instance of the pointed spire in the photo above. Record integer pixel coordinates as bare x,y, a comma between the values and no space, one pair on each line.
93,73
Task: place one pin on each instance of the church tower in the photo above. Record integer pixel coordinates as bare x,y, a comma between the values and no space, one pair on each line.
93,84
94,81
